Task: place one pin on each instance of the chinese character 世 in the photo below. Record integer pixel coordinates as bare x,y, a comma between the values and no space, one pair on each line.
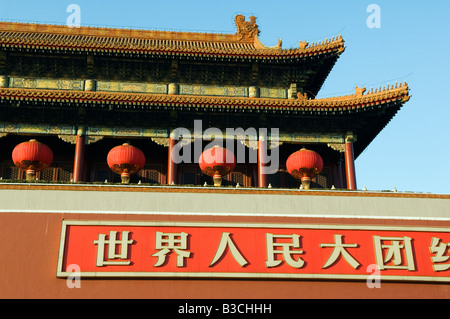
397,254
224,242
286,250
441,250
165,242
112,242
339,250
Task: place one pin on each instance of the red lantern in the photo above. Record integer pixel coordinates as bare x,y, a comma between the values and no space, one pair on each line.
217,162
126,160
33,157
304,165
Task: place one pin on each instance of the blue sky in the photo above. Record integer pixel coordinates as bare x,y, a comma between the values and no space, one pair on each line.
412,153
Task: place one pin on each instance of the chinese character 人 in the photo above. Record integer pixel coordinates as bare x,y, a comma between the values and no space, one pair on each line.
224,242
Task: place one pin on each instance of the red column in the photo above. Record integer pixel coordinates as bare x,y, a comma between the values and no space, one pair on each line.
172,175
350,164
262,158
78,164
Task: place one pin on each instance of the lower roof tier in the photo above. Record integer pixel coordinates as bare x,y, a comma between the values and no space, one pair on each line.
359,100
363,114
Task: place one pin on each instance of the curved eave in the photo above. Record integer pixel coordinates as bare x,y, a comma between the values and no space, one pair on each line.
285,55
340,105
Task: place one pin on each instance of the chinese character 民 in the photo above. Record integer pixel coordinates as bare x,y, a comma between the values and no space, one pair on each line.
441,250
339,250
286,250
112,242
394,253
224,242
165,242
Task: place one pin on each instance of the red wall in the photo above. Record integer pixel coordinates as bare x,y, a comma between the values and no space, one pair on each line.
30,245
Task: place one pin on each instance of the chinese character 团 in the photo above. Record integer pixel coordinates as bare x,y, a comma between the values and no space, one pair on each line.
441,250
224,242
112,242
286,250
339,250
394,253
165,242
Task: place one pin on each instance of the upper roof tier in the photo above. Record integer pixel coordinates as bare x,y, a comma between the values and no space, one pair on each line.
244,43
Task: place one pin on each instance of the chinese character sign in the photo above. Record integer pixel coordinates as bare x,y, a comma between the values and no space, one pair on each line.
152,249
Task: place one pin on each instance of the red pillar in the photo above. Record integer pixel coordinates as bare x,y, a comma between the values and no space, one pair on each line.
350,164
262,159
172,175
78,164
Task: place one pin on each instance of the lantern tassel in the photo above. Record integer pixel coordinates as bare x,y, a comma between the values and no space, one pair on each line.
306,182
217,180
31,175
125,178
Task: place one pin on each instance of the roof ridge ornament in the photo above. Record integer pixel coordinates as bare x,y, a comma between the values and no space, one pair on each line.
303,44
247,30
359,91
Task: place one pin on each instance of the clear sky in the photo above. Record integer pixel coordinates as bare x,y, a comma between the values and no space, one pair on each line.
412,153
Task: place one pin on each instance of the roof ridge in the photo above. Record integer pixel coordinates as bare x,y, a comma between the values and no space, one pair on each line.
362,92
91,31
246,37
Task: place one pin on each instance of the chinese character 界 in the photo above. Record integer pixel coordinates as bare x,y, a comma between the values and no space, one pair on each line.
112,242
441,250
224,242
394,253
339,250
286,250
165,242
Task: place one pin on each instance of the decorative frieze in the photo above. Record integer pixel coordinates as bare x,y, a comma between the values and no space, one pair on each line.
150,88
312,138
52,84
125,132
213,90
138,87
37,129
273,93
